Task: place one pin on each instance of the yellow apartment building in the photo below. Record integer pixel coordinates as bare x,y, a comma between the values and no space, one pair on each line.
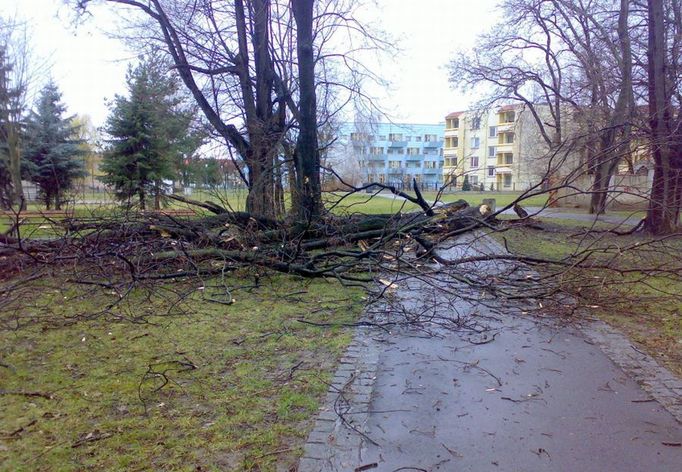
496,149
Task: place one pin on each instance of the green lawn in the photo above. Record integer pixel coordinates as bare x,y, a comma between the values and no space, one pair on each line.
501,198
243,380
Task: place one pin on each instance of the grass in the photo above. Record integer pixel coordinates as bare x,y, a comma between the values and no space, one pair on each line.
501,198
646,306
244,379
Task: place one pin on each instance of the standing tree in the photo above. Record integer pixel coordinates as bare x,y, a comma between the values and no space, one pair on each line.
664,46
466,186
561,60
14,81
53,151
149,134
240,58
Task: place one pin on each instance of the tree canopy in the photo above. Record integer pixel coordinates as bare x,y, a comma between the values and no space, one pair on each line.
149,133
53,150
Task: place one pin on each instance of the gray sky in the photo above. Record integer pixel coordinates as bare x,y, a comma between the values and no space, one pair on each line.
90,67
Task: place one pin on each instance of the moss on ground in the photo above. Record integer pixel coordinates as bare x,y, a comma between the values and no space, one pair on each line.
154,385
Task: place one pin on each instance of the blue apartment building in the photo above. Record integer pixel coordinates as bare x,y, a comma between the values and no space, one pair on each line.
394,154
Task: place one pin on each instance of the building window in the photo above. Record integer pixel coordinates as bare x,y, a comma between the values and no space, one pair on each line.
452,123
451,162
492,131
476,123
395,137
473,179
408,138
452,142
475,142
430,138
506,138
412,151
429,164
507,180
376,150
491,171
506,158
394,164
418,139
507,117
491,151
474,162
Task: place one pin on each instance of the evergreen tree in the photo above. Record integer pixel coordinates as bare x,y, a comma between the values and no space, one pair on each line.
11,95
149,134
466,186
54,151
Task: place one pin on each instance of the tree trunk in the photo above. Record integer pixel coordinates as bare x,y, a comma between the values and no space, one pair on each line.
18,200
615,139
307,154
662,213
141,195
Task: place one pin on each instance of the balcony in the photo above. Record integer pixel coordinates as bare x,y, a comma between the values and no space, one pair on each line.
433,144
377,157
505,162
397,144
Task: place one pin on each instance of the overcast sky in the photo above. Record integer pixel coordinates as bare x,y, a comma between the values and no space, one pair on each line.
89,67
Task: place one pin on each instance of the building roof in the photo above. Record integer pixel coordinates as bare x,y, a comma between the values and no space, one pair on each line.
454,114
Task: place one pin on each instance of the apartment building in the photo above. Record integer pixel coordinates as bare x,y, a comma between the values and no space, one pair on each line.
496,149
394,154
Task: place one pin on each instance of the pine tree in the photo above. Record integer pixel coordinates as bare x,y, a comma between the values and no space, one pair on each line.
54,151
466,186
149,134
10,130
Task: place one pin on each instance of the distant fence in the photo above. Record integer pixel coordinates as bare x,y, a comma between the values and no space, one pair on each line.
624,192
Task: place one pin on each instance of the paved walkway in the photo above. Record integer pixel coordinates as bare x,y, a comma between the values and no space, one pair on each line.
539,397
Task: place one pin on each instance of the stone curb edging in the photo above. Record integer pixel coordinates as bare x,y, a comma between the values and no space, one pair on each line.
655,379
331,441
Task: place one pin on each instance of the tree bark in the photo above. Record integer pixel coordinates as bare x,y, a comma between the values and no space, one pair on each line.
615,139
307,154
662,213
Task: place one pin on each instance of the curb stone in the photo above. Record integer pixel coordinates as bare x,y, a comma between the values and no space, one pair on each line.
331,443
655,379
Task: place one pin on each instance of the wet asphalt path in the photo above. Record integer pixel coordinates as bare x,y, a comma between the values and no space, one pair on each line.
540,397
560,405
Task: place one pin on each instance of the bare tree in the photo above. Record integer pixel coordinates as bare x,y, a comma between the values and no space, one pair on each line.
665,118
253,66
561,60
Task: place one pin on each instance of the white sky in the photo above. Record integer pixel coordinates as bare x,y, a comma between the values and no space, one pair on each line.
89,67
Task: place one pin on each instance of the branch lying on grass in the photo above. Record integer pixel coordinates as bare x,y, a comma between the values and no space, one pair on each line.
46,396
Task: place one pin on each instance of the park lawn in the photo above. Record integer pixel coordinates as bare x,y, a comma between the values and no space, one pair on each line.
244,380
386,203
648,308
366,203
502,199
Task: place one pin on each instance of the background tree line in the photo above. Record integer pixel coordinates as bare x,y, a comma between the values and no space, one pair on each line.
39,143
